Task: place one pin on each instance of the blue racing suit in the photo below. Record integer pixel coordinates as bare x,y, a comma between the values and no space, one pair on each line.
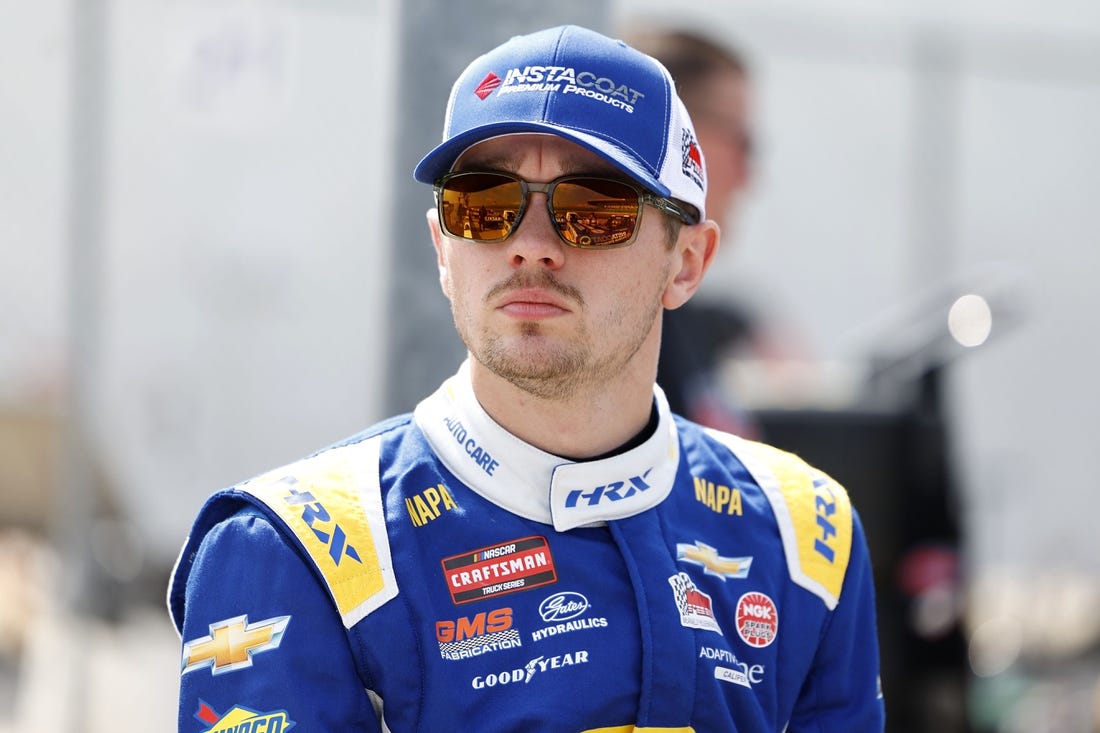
435,573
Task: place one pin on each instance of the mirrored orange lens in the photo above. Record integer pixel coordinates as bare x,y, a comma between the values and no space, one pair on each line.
593,212
480,206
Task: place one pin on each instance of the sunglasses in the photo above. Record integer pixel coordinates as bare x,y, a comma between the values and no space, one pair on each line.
587,211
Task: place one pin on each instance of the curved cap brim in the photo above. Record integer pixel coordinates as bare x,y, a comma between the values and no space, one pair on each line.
442,158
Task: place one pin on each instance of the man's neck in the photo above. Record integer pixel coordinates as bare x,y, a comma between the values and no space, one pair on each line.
588,423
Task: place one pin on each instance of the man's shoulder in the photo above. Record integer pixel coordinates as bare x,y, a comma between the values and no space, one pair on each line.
814,515
328,507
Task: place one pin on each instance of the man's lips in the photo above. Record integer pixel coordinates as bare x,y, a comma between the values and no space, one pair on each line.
531,303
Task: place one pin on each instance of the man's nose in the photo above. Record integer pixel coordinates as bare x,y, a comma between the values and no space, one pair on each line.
535,239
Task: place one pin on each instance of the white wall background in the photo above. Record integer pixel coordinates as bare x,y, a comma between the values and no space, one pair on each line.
243,239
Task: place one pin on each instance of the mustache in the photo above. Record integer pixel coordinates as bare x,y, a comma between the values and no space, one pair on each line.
541,279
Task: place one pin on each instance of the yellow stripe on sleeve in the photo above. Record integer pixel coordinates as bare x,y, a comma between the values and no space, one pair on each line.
333,504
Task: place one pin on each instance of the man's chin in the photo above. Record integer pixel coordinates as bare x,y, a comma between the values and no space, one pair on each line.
538,369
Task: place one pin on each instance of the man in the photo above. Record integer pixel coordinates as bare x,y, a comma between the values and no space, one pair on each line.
542,545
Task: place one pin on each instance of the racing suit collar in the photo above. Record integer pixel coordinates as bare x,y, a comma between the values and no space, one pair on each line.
538,485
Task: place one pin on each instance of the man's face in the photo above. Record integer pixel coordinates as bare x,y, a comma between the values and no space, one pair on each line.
550,318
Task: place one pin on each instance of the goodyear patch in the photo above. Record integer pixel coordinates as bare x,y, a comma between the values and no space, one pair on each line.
332,503
241,719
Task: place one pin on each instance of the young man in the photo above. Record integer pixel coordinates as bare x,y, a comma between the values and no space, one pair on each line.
542,545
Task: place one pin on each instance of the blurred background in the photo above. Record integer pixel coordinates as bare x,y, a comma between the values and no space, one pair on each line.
214,260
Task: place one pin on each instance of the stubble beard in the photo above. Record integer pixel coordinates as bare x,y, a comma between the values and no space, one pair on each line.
540,369
550,368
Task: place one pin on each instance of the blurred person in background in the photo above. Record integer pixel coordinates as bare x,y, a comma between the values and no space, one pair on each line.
714,82
542,545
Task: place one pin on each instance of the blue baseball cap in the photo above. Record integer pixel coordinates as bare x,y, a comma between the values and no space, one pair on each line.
585,87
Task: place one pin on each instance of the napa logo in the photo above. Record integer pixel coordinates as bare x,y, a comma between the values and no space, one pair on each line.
243,720
429,504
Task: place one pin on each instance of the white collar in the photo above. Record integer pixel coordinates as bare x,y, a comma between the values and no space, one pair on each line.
538,485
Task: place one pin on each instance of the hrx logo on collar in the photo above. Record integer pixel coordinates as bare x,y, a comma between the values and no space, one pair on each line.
614,491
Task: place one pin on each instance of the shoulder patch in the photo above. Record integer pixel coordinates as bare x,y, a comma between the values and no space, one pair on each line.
332,503
813,512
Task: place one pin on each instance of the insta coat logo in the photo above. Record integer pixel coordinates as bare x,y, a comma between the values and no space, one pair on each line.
487,86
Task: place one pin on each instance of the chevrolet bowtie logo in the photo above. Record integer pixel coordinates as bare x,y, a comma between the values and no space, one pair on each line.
232,643
713,564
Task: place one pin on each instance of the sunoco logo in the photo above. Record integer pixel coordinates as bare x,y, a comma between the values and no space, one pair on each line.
563,606
241,719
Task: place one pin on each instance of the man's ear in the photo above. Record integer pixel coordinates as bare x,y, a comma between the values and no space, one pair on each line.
694,252
440,258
